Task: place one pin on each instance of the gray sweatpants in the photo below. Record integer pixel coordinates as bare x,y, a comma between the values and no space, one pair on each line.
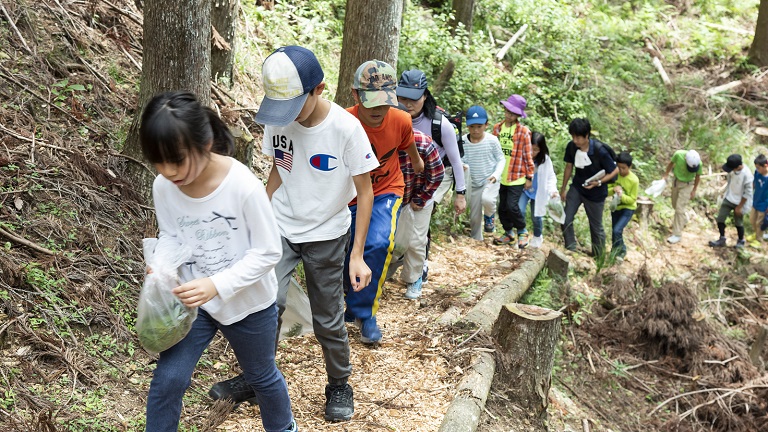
324,270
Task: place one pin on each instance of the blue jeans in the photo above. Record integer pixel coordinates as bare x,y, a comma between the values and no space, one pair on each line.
619,221
252,340
538,222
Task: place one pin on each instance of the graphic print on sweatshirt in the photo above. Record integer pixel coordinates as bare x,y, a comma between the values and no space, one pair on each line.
210,236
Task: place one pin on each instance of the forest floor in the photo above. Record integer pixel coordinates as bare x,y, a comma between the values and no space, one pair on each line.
71,268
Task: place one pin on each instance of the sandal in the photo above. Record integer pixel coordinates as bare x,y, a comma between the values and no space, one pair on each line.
522,240
503,240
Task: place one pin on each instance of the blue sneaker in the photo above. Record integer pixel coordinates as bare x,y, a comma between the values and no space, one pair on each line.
488,223
413,290
369,331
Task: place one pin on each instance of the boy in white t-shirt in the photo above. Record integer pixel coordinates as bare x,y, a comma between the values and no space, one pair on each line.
321,160
736,198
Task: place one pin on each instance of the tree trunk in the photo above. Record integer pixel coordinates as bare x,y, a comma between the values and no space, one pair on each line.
223,17
464,12
371,32
527,337
758,52
177,56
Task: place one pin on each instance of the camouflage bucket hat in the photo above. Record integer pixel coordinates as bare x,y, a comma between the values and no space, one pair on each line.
376,82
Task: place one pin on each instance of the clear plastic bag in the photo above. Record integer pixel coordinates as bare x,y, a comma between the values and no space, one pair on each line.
656,188
615,201
555,209
297,316
162,319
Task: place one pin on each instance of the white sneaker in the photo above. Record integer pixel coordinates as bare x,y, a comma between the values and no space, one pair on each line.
674,239
536,242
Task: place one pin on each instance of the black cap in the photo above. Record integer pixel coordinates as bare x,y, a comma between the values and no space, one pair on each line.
733,162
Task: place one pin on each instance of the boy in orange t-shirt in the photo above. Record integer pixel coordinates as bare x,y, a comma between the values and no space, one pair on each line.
389,132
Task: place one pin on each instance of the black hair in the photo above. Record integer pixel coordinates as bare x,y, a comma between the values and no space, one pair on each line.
761,159
625,158
580,127
430,105
539,140
175,123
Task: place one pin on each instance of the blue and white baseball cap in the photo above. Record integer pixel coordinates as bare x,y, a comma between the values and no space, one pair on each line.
476,115
288,75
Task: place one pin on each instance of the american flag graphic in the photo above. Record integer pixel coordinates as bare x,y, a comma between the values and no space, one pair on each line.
283,159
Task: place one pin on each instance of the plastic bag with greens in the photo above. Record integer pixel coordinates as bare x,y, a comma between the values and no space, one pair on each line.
162,319
555,209
656,188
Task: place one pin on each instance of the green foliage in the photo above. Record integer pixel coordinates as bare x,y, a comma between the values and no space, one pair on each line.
543,292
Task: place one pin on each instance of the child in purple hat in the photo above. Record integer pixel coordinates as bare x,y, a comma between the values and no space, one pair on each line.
518,171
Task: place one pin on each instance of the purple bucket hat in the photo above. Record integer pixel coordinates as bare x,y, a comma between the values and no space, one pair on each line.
516,104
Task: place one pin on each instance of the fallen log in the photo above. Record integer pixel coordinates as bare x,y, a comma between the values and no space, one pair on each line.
510,42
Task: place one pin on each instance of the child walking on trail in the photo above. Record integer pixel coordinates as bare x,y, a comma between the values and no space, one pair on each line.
321,159
212,203
760,201
482,153
685,166
543,187
624,190
389,131
518,172
737,195
413,223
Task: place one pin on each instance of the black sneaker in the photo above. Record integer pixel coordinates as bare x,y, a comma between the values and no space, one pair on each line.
424,272
339,402
234,389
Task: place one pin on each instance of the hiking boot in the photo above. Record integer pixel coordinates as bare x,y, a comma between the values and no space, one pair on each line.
673,239
339,402
537,241
522,240
717,243
504,240
424,272
369,331
234,389
740,244
488,223
413,290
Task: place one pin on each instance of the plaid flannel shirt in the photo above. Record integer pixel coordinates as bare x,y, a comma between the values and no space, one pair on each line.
521,159
420,188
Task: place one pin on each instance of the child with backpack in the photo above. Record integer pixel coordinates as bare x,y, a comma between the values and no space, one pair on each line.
482,153
543,187
213,204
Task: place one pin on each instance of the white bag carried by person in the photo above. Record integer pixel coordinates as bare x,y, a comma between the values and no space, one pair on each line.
555,209
162,319
297,316
656,188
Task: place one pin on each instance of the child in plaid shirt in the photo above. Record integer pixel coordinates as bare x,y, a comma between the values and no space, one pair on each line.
413,224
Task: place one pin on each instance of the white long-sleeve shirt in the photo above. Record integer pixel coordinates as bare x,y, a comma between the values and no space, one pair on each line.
234,239
449,148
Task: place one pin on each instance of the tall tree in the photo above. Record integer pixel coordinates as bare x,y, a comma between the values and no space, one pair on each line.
758,52
224,18
176,56
371,31
464,12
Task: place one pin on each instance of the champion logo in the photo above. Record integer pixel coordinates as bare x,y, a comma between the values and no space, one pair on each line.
368,156
323,162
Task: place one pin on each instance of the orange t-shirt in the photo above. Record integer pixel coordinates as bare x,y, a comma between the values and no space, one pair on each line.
395,133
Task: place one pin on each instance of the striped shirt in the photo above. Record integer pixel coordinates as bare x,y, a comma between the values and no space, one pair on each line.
419,188
485,159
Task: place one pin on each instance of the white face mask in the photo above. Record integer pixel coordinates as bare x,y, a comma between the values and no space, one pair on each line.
582,159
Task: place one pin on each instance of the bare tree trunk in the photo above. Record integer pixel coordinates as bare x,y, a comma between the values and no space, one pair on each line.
527,337
758,52
464,12
223,17
177,56
371,31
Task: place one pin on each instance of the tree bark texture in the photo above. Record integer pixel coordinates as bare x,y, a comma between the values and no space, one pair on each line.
224,18
371,32
527,337
463,12
758,52
176,56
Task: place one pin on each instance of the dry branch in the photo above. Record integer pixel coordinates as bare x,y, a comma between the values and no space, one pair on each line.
13,26
510,42
25,242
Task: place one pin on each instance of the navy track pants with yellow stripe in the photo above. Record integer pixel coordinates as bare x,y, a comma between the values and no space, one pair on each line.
377,255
